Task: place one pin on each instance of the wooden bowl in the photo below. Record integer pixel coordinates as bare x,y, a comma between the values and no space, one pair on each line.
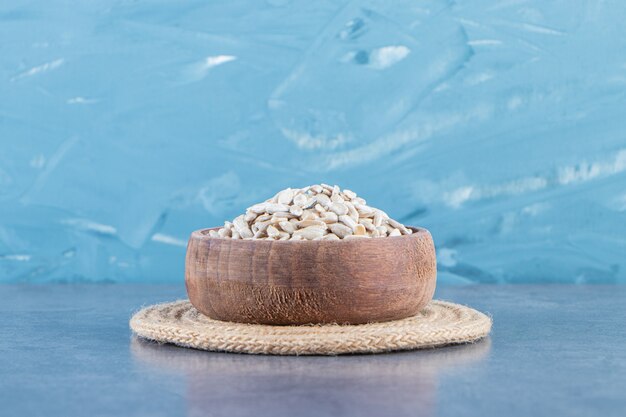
300,282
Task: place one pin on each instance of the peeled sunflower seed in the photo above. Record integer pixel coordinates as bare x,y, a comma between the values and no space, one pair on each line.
296,210
399,226
329,217
285,196
352,211
338,208
349,237
249,216
309,215
300,199
395,232
283,214
378,218
368,224
276,208
336,198
309,233
258,208
287,227
272,231
364,211
348,221
306,223
340,230
323,200
242,227
349,194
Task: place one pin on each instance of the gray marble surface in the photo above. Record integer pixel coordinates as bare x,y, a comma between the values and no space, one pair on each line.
66,350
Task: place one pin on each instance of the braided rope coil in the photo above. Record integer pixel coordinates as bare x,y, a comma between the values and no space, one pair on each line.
440,323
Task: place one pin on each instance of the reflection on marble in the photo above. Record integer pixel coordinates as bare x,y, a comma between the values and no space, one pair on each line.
498,125
353,384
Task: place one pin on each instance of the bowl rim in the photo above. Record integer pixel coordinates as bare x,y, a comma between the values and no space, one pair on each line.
203,234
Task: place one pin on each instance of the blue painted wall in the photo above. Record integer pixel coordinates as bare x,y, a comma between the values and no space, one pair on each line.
498,125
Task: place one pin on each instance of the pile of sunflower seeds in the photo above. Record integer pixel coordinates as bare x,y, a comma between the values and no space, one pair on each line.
317,212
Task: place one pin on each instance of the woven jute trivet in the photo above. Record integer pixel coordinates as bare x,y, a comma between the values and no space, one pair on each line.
440,323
